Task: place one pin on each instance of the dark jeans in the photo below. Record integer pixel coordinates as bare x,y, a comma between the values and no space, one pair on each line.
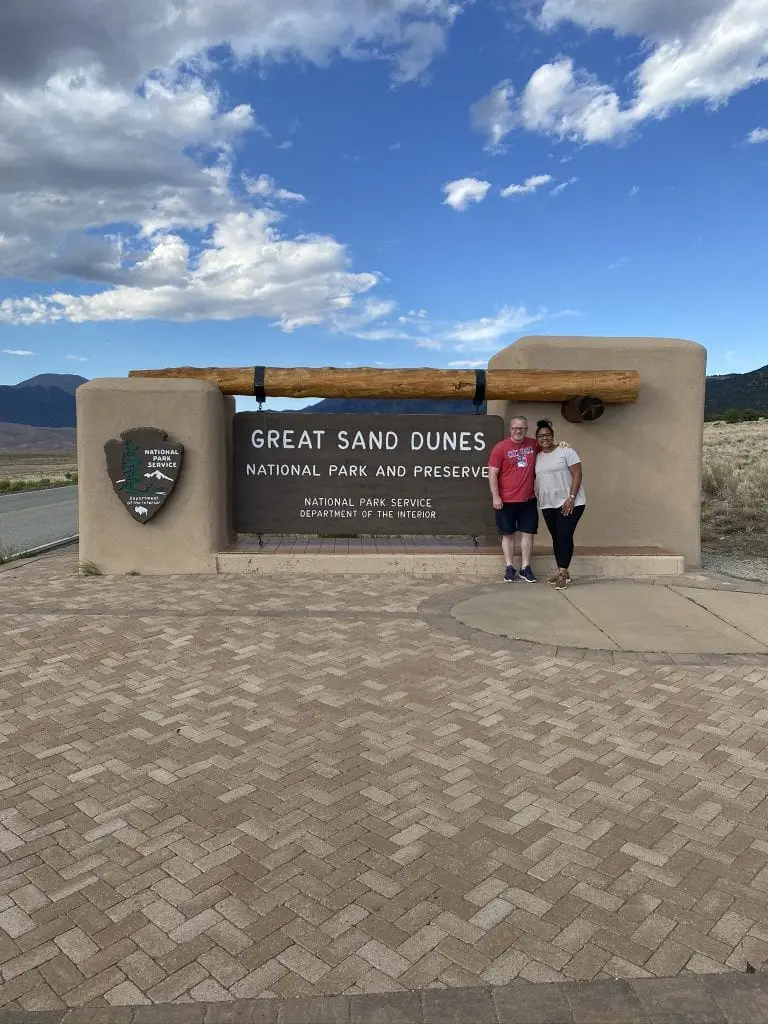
562,529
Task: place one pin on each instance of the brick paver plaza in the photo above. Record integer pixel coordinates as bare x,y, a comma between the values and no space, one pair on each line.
230,787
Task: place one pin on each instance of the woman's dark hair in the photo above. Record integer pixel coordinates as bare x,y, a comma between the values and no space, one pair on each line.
545,423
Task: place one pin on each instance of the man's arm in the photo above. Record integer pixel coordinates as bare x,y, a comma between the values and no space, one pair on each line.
493,480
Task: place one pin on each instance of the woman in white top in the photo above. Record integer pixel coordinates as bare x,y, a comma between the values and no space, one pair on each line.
561,497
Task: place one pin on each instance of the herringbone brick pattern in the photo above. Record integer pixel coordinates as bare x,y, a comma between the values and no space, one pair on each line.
213,789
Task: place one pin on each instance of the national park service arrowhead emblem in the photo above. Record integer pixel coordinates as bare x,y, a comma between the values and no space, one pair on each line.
143,467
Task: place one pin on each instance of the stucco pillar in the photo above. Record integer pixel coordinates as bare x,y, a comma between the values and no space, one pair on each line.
642,462
194,524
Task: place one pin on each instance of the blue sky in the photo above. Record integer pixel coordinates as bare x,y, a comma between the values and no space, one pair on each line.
418,182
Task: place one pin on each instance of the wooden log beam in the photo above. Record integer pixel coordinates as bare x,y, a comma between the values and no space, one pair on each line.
618,387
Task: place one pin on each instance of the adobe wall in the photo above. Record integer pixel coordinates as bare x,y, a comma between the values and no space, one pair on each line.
195,524
642,462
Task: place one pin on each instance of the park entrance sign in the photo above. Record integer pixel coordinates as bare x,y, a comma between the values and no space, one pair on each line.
397,476
373,475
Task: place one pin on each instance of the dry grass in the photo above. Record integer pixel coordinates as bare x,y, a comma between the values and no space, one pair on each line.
34,465
21,471
734,507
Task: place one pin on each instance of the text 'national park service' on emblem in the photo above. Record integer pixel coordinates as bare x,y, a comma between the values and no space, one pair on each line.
143,467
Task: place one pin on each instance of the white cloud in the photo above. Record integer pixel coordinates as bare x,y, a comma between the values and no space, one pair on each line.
651,18
467,364
634,190
355,321
77,359
265,188
493,114
562,186
78,157
246,268
128,41
570,104
375,309
380,334
475,338
758,135
117,151
697,51
483,334
422,41
461,193
529,186
17,352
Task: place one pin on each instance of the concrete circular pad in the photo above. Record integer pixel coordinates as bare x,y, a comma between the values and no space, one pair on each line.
623,616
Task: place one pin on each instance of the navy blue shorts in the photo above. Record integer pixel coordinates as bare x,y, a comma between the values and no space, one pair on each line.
518,517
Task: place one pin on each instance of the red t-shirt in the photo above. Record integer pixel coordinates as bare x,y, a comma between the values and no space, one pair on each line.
516,464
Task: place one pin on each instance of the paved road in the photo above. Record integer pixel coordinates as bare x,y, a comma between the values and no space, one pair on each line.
33,518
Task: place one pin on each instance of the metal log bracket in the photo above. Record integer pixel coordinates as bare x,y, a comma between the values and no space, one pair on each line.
259,376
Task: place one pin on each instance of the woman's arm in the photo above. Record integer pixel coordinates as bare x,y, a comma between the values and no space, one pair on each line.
576,476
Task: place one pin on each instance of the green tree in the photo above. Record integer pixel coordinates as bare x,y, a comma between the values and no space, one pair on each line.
733,416
750,415
131,468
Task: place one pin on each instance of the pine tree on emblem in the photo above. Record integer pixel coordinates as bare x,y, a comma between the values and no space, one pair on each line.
131,468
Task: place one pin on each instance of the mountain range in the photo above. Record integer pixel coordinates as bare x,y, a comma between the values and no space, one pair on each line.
39,414
47,400
737,391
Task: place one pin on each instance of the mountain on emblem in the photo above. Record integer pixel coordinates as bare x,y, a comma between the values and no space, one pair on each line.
144,467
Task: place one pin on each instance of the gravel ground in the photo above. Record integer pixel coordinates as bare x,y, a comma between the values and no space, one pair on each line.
739,566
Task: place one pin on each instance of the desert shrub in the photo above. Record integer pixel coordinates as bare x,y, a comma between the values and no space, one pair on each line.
36,484
742,416
719,478
7,553
735,502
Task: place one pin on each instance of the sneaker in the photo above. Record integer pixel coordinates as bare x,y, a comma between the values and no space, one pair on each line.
553,580
510,574
562,582
527,575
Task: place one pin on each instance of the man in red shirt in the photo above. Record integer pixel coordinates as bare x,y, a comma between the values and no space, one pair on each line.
512,468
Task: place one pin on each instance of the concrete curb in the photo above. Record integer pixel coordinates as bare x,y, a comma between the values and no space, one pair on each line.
717,999
43,549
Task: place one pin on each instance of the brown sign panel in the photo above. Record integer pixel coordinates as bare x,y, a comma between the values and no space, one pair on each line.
143,467
342,474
